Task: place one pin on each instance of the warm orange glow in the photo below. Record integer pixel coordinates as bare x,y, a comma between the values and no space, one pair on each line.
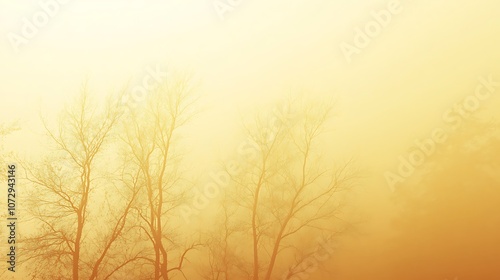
235,139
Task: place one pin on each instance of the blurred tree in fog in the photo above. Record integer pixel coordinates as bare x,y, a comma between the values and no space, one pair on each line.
73,232
450,221
151,136
101,211
109,211
283,193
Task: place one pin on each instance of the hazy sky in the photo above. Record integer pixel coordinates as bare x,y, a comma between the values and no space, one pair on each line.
427,58
395,90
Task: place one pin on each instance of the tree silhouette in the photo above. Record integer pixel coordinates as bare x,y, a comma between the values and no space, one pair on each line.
284,190
66,197
152,140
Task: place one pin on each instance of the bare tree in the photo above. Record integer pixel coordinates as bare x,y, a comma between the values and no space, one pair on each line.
152,138
223,260
284,190
66,195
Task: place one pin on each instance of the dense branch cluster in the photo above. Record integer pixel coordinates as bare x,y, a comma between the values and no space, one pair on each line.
105,203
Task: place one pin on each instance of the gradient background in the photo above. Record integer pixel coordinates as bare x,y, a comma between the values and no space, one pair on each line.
427,58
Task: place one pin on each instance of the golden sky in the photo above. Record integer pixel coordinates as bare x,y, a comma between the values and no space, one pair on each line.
428,57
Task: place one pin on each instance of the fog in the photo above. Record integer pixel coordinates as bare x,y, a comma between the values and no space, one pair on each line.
281,140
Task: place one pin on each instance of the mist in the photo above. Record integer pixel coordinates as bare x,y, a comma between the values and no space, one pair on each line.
250,140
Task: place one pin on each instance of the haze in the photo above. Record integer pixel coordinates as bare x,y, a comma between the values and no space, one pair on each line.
387,100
